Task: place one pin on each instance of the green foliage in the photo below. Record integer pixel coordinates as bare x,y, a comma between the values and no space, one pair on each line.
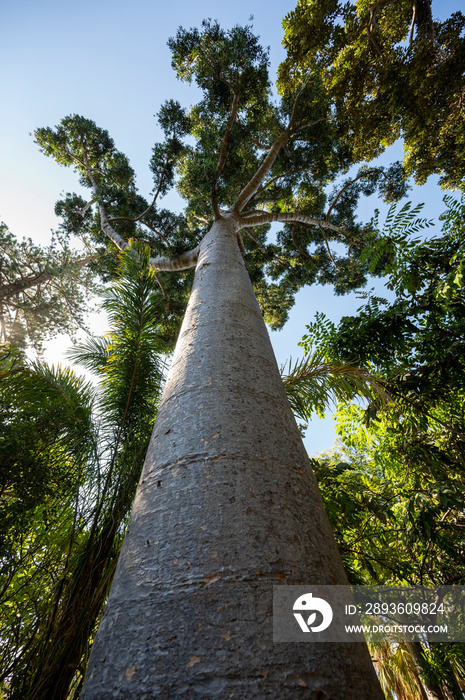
78,143
424,324
314,384
390,71
125,357
47,446
71,457
216,59
395,501
394,486
226,65
392,249
45,434
42,290
397,674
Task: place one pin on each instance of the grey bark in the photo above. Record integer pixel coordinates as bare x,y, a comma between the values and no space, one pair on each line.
180,262
227,507
285,217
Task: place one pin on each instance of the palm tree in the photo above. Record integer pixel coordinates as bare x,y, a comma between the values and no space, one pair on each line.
85,450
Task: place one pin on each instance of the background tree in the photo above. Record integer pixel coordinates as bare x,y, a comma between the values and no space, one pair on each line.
70,460
391,71
43,290
394,488
377,512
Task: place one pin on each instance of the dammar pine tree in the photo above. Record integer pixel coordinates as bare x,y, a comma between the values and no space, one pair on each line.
227,506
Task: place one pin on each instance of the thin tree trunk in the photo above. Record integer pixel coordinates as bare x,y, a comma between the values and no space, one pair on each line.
77,615
227,507
446,689
433,690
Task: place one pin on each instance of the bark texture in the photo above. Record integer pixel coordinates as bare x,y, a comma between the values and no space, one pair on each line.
227,507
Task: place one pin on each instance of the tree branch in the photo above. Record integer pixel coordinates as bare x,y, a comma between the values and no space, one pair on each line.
222,158
7,291
251,188
144,223
253,212
181,262
412,26
259,145
163,238
141,216
294,106
327,246
365,173
267,163
109,231
86,165
373,9
82,211
288,217
303,252
259,243
295,131
278,177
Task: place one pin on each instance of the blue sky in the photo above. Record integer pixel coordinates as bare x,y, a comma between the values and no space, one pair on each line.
108,60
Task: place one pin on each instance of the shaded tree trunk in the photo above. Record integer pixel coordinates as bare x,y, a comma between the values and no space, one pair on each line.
432,690
448,687
227,507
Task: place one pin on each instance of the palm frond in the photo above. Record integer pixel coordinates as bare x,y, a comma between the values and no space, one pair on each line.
314,385
127,361
38,390
92,353
397,672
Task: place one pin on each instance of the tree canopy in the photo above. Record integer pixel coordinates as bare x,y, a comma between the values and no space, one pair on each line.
390,71
237,149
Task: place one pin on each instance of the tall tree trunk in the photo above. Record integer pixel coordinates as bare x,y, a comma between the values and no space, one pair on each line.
227,507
